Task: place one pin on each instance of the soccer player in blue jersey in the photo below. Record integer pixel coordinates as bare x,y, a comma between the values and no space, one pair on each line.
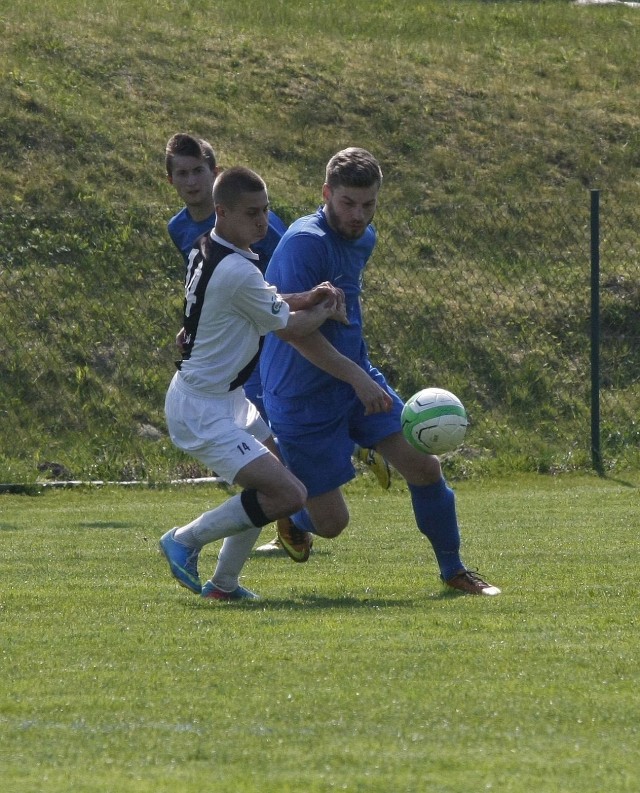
321,404
192,168
228,309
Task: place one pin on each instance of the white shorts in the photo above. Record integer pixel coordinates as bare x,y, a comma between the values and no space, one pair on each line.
224,432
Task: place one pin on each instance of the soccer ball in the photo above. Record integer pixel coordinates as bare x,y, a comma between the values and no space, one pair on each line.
434,421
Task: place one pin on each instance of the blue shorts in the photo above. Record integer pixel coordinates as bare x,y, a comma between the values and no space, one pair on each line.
316,435
253,391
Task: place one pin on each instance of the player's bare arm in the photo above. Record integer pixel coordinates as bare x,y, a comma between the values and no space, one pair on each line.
306,321
319,293
317,349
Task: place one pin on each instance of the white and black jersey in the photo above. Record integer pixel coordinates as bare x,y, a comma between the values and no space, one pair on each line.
228,308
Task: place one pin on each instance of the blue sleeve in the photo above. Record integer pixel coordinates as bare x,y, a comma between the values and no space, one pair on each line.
299,264
276,223
172,234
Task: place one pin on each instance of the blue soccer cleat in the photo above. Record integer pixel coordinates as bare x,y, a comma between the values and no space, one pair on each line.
212,592
183,561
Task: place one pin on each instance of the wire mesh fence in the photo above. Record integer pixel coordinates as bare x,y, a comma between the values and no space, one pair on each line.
495,305
492,302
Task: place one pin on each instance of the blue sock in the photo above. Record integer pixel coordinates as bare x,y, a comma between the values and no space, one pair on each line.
435,509
303,521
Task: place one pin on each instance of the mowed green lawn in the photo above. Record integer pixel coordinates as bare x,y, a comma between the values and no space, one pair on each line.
354,672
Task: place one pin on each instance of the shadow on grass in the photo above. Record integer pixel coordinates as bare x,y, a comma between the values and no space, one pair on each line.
617,481
306,603
105,524
255,556
448,594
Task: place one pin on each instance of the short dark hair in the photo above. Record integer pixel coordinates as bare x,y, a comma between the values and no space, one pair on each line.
185,145
353,167
232,182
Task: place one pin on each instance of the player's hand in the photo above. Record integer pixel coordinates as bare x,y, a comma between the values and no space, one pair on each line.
336,298
337,311
326,290
374,398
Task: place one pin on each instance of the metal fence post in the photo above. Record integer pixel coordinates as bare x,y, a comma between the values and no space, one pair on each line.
596,451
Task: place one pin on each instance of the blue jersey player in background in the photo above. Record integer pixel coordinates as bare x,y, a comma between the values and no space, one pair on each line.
192,168
319,412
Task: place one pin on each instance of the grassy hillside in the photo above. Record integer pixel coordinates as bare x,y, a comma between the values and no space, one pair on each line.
459,100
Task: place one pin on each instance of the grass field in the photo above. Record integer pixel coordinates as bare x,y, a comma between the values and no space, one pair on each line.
354,672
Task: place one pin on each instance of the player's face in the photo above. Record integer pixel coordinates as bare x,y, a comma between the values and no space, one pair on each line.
349,210
192,179
247,222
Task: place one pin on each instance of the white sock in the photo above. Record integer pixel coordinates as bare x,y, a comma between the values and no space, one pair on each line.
223,521
233,554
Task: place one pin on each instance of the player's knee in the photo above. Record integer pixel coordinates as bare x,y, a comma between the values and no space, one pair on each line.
332,526
432,467
293,498
329,532
426,470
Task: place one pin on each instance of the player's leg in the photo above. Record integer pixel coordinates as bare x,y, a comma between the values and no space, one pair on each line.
254,393
224,583
276,491
226,433
326,515
269,491
433,501
317,449
416,467
434,507
273,547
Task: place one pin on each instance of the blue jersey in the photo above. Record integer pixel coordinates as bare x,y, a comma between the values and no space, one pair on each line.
311,252
184,231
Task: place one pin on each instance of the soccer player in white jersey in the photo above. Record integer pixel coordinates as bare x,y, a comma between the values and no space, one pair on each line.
228,309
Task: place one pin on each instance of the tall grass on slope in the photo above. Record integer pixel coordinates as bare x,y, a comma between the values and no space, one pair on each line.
484,101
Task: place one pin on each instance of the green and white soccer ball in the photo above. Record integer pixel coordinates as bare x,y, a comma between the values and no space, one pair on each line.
434,421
